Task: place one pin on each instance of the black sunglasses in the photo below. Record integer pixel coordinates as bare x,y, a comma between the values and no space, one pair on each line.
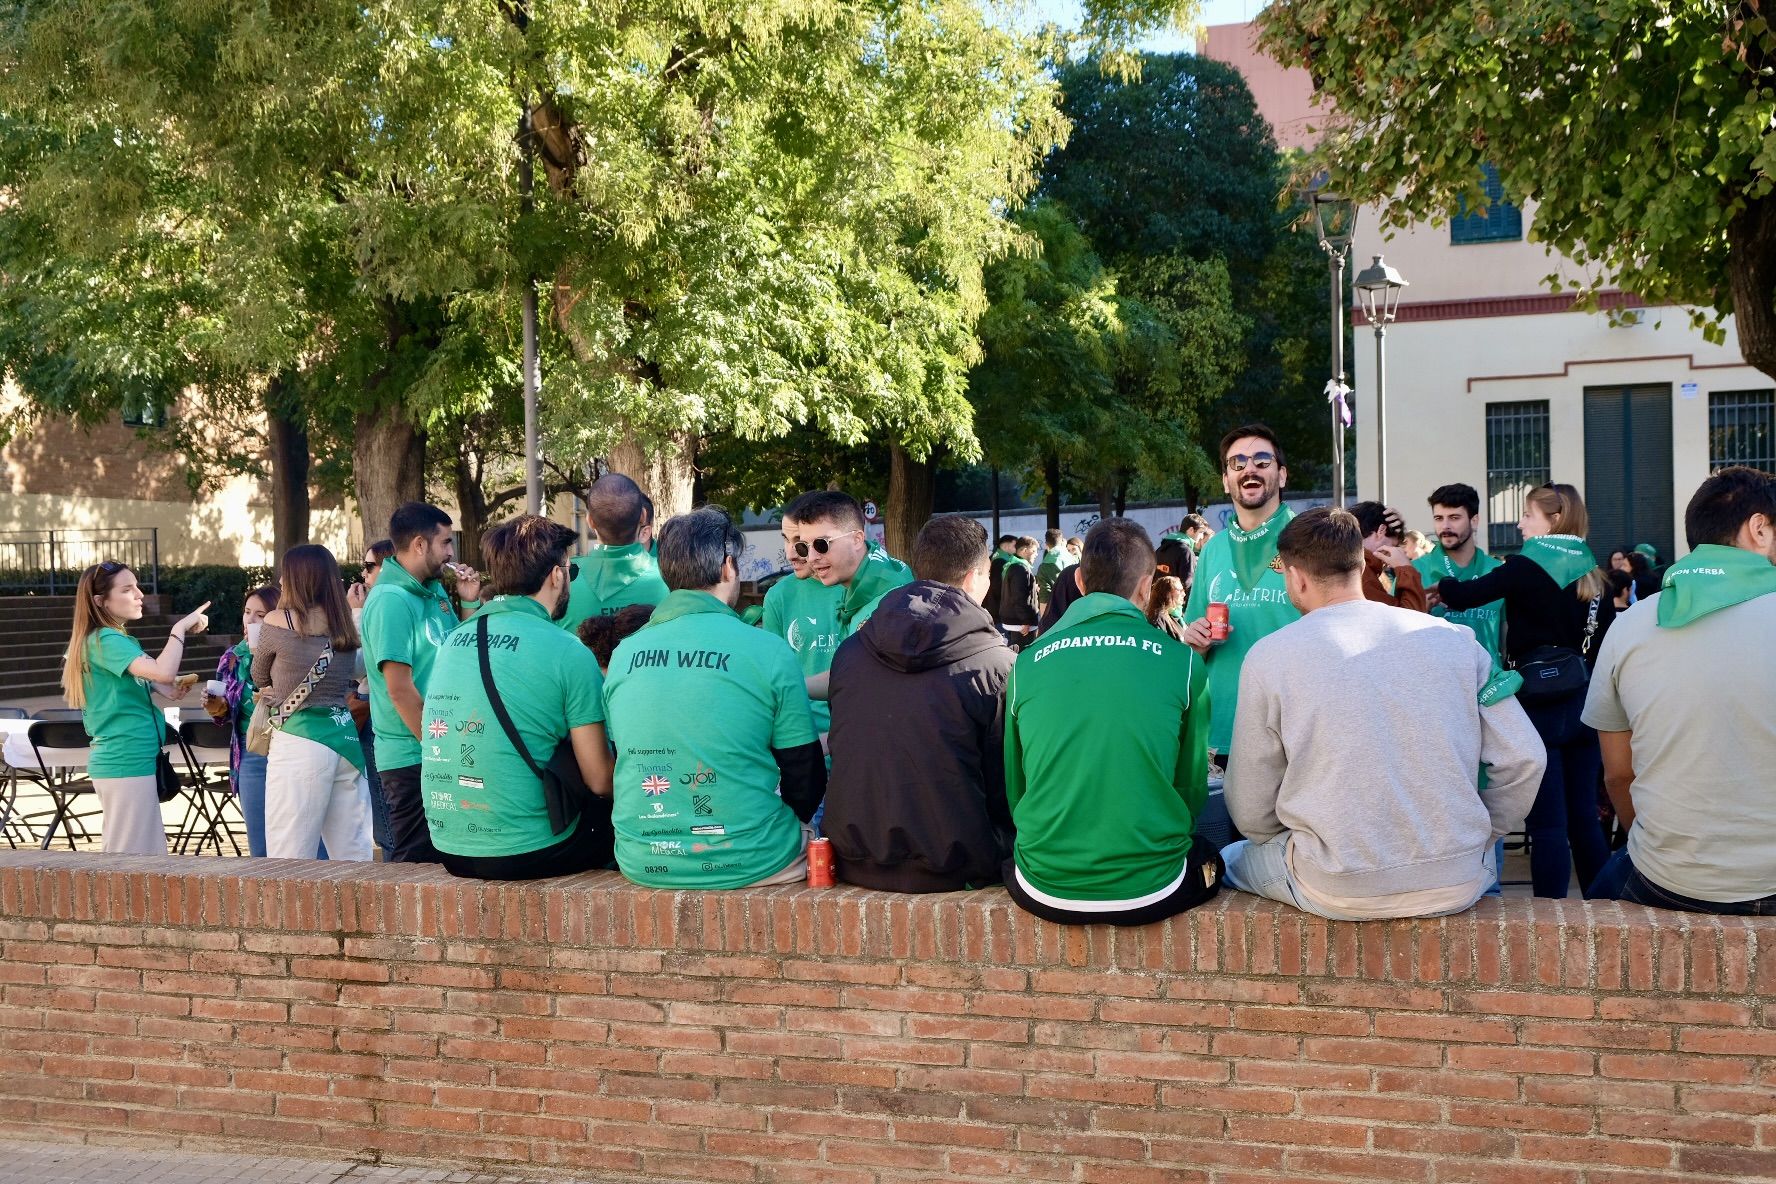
821,545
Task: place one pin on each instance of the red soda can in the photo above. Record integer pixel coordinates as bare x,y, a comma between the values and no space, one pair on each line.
820,863
1218,622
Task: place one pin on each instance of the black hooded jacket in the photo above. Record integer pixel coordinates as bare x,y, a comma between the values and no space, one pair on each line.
916,798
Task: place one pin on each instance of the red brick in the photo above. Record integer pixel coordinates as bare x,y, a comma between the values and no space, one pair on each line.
1714,1070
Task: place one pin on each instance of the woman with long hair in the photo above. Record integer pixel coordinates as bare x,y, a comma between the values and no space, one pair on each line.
314,785
108,675
1557,607
1165,606
234,706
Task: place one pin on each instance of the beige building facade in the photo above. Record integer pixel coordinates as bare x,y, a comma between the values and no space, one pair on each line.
1495,380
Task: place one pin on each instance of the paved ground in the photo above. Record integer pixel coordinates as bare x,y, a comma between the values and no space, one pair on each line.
65,1163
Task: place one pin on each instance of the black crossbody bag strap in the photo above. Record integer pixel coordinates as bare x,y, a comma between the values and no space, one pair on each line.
498,705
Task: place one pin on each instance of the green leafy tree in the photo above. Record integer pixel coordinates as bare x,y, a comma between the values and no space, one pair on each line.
1176,164
1644,133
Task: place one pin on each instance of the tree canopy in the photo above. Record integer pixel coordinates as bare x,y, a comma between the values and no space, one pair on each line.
1644,132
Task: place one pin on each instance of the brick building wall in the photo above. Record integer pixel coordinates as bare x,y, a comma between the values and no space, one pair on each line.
850,1037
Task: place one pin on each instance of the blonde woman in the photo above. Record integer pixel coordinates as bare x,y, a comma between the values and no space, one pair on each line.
1556,608
314,782
108,675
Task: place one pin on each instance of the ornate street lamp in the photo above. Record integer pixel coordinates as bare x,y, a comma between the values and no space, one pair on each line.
1335,218
1378,287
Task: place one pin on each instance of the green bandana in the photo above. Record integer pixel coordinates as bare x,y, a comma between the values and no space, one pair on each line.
1253,550
1565,557
1712,577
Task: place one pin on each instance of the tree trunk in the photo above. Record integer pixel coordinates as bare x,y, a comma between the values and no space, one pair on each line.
1751,243
388,468
996,530
471,506
1122,493
1051,478
664,475
912,486
288,439
1106,500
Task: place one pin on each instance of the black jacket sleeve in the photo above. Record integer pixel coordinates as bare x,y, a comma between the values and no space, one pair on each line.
1498,584
803,771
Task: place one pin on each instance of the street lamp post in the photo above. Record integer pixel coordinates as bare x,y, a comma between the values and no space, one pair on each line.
1334,219
1379,286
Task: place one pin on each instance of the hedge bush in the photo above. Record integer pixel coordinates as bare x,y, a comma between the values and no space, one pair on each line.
184,588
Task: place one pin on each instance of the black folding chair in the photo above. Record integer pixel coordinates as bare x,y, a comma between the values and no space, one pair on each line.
13,826
204,745
62,749
60,713
14,713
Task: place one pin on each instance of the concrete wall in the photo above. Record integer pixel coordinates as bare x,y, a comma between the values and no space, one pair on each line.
849,1037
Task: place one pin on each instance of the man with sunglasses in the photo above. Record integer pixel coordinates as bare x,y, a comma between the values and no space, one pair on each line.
1239,568
619,572
802,610
838,552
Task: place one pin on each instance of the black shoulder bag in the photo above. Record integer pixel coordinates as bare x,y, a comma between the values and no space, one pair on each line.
1553,671
564,789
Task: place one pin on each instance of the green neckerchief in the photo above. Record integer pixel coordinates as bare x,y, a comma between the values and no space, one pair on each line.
1565,557
1020,561
1445,563
1712,577
685,603
1175,534
432,589
1253,550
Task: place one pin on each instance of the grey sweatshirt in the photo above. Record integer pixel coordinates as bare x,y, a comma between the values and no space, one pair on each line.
1360,730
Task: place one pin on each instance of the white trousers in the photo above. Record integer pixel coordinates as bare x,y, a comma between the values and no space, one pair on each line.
132,824
313,793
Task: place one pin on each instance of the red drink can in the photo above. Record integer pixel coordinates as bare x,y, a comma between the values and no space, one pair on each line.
820,863
1218,624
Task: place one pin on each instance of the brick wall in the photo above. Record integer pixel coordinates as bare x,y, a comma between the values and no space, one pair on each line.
849,1037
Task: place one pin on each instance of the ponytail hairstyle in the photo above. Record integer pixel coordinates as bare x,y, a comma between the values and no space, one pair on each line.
90,616
311,584
1167,592
1565,511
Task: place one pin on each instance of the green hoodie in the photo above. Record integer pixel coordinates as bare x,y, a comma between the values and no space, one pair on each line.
805,613
1257,606
1711,578
612,578
1485,620
1105,766
878,574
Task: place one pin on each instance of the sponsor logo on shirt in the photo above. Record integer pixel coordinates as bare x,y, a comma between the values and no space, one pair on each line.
466,783
434,631
666,847
709,828
655,786
703,776
472,725
1099,641
438,729
702,804
466,754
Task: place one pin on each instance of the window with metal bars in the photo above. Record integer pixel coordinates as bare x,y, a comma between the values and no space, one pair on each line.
1742,430
1516,462
1497,222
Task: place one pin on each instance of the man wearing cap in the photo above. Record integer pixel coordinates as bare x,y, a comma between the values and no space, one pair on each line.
718,764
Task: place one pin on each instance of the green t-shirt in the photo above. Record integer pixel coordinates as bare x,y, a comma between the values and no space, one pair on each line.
1103,770
612,578
481,798
696,700
127,730
404,621
1255,609
878,574
1484,620
805,613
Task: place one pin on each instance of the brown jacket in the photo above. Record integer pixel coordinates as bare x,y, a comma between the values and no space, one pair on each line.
1408,585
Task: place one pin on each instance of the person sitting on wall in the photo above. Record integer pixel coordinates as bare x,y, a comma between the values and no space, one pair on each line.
619,571
1359,794
718,765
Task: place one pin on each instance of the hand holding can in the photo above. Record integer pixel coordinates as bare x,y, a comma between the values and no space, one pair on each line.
1219,623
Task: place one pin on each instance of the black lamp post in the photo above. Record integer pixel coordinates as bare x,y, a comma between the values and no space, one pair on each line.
1378,287
1334,219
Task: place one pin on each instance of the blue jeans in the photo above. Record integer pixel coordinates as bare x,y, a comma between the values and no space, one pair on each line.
1563,827
249,783
379,811
1621,880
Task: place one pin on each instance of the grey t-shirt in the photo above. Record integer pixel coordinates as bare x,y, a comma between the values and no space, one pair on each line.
1700,702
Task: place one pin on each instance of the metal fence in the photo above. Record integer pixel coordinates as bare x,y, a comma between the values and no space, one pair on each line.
49,562
1742,430
1516,462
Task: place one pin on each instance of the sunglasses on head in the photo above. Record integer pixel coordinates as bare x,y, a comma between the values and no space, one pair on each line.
822,545
1261,461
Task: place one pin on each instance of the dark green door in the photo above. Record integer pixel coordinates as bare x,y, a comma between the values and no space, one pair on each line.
1628,468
